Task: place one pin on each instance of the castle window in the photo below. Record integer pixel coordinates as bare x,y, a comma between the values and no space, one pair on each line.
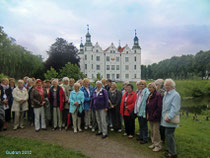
118,76
117,58
126,59
91,57
126,76
113,76
96,50
85,66
134,58
85,57
113,67
117,67
97,58
134,75
108,67
126,67
108,76
134,67
97,67
92,66
107,58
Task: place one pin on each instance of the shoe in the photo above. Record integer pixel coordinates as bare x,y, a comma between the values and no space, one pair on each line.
112,129
60,129
170,156
86,128
104,136
138,139
4,129
75,130
98,134
53,129
143,142
79,130
124,134
37,130
90,127
15,128
44,129
151,146
22,127
93,130
138,134
130,136
119,130
156,149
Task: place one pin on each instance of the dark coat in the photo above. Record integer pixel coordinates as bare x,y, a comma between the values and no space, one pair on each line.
154,106
36,98
115,98
101,101
60,97
8,93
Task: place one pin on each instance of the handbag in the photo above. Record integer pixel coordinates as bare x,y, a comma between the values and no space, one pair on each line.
175,120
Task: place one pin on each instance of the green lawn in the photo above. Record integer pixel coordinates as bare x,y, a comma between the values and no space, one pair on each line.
39,149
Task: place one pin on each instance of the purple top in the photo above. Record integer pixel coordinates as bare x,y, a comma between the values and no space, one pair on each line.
100,101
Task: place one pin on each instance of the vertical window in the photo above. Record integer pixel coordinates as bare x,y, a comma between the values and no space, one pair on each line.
108,67
91,57
134,67
108,76
92,66
118,76
113,67
134,58
126,67
117,67
97,67
107,58
85,57
126,59
85,66
97,58
113,76
126,76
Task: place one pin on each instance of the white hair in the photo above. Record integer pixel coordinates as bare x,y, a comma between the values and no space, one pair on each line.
55,80
65,79
172,83
153,85
159,82
20,81
126,82
98,82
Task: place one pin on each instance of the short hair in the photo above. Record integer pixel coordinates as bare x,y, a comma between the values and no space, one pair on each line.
159,82
104,79
11,80
71,79
86,80
130,85
98,82
4,79
114,83
153,85
20,81
109,80
30,80
173,84
55,80
141,82
65,79
126,82
77,84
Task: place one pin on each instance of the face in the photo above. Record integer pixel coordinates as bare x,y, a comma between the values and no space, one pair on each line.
76,88
47,85
60,82
108,83
55,84
20,84
103,82
12,84
168,86
25,79
98,85
151,88
39,84
71,83
113,87
124,86
129,89
66,82
158,86
5,82
86,83
142,86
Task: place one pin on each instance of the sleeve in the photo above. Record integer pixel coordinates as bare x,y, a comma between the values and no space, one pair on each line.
15,96
106,99
158,110
62,98
119,97
71,100
175,106
33,100
131,106
82,98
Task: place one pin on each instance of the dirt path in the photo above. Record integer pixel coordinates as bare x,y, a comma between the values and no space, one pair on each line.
85,142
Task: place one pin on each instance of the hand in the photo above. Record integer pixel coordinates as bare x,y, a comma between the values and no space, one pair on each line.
167,119
22,101
112,106
5,101
126,107
106,109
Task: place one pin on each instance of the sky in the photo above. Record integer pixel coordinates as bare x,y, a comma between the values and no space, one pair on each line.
165,28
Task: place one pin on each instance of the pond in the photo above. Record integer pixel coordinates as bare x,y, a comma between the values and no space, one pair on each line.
195,105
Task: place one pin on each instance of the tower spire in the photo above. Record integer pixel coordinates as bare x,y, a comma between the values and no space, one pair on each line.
136,41
88,28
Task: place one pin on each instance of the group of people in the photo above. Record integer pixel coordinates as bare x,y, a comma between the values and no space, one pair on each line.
62,104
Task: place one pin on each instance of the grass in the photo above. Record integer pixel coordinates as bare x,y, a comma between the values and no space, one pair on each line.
39,149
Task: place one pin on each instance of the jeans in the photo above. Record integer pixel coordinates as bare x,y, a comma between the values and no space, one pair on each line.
39,113
143,128
170,140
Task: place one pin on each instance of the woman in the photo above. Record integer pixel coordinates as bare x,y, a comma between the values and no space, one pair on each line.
48,115
114,104
123,90
2,112
20,104
67,90
38,97
10,97
87,90
100,105
56,98
127,110
76,106
153,109
170,110
140,110
31,86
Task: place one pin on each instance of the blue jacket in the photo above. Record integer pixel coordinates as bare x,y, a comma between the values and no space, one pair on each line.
141,112
171,106
79,97
88,97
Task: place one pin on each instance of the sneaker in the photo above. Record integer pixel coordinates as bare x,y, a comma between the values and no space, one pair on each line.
124,134
93,130
130,136
104,136
75,130
86,128
22,127
112,129
156,149
90,127
143,142
119,130
80,130
152,146
53,129
98,134
15,128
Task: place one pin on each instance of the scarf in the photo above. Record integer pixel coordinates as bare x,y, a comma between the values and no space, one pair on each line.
40,90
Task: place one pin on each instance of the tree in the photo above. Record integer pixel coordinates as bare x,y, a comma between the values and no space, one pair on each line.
71,71
61,52
50,74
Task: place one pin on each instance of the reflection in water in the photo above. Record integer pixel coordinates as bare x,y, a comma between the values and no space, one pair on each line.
195,105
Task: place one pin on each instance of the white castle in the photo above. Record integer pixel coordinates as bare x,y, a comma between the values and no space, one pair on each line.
117,64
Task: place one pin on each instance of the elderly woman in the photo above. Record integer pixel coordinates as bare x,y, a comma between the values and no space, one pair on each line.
39,100
76,106
170,112
123,90
87,90
114,104
127,110
140,110
56,98
153,109
20,104
2,112
66,89
100,104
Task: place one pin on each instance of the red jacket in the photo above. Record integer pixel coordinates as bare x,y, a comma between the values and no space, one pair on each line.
130,103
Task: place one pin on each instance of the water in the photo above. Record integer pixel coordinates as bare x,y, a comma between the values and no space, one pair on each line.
195,105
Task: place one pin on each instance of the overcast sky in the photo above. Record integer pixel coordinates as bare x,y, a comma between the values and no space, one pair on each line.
165,27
